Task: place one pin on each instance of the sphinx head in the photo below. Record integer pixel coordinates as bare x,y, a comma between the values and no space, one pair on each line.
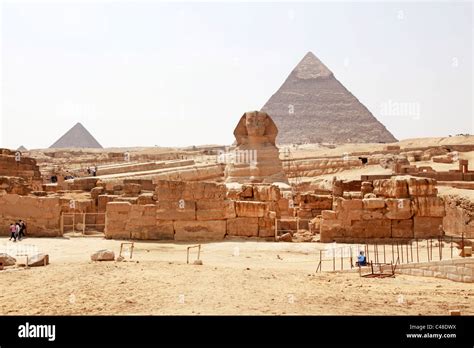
256,124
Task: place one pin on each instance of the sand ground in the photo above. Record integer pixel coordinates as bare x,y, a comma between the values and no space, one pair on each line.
236,278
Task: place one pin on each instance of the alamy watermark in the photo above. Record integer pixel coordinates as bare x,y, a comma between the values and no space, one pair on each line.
237,157
401,109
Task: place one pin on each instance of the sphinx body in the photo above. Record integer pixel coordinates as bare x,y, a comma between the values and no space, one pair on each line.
255,157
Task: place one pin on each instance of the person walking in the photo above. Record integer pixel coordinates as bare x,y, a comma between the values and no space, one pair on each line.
12,232
22,229
17,233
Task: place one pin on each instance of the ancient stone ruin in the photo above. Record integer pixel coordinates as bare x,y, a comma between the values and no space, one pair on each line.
255,158
396,208
313,106
77,137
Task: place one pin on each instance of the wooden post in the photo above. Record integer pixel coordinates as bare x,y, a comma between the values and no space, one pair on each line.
431,249
351,256
384,261
417,252
411,251
393,253
321,260
61,224
451,246
407,252
398,253
342,259
428,249
333,260
276,229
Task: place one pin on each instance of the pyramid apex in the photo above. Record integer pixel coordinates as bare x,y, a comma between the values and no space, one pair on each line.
310,67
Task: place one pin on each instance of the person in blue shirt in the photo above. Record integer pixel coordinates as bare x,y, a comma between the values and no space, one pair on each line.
361,259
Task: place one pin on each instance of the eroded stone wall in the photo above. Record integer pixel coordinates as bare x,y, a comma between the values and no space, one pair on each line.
401,207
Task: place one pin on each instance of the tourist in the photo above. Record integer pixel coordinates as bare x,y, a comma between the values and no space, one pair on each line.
361,259
12,232
18,229
22,229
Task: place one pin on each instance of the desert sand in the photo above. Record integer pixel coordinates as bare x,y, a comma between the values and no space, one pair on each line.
236,278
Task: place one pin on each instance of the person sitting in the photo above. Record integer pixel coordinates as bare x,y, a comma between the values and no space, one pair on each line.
361,260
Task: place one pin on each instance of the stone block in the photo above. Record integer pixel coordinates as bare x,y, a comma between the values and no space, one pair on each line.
427,227
429,206
243,226
454,277
398,209
373,203
250,209
199,230
402,228
215,210
175,210
328,215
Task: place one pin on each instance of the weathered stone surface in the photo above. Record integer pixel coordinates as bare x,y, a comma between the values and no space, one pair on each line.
167,190
266,227
161,230
330,229
373,203
103,255
255,158
427,227
286,237
370,229
422,186
38,260
7,260
429,206
398,209
309,102
42,214
131,189
266,193
174,210
250,209
199,230
243,226
145,198
329,215
215,210
402,228
396,187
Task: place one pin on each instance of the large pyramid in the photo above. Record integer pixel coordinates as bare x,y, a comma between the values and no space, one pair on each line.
312,106
77,136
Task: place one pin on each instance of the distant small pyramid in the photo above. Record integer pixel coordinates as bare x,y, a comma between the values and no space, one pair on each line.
312,106
77,136
22,149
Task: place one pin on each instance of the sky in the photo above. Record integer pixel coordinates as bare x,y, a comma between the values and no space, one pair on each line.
178,74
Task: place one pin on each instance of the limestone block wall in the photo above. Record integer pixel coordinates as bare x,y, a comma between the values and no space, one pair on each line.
458,270
459,219
42,214
144,166
26,168
194,211
401,207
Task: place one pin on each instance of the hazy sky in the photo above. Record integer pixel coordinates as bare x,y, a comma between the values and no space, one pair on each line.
149,73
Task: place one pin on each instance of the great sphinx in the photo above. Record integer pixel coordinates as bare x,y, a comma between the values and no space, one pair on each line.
255,158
